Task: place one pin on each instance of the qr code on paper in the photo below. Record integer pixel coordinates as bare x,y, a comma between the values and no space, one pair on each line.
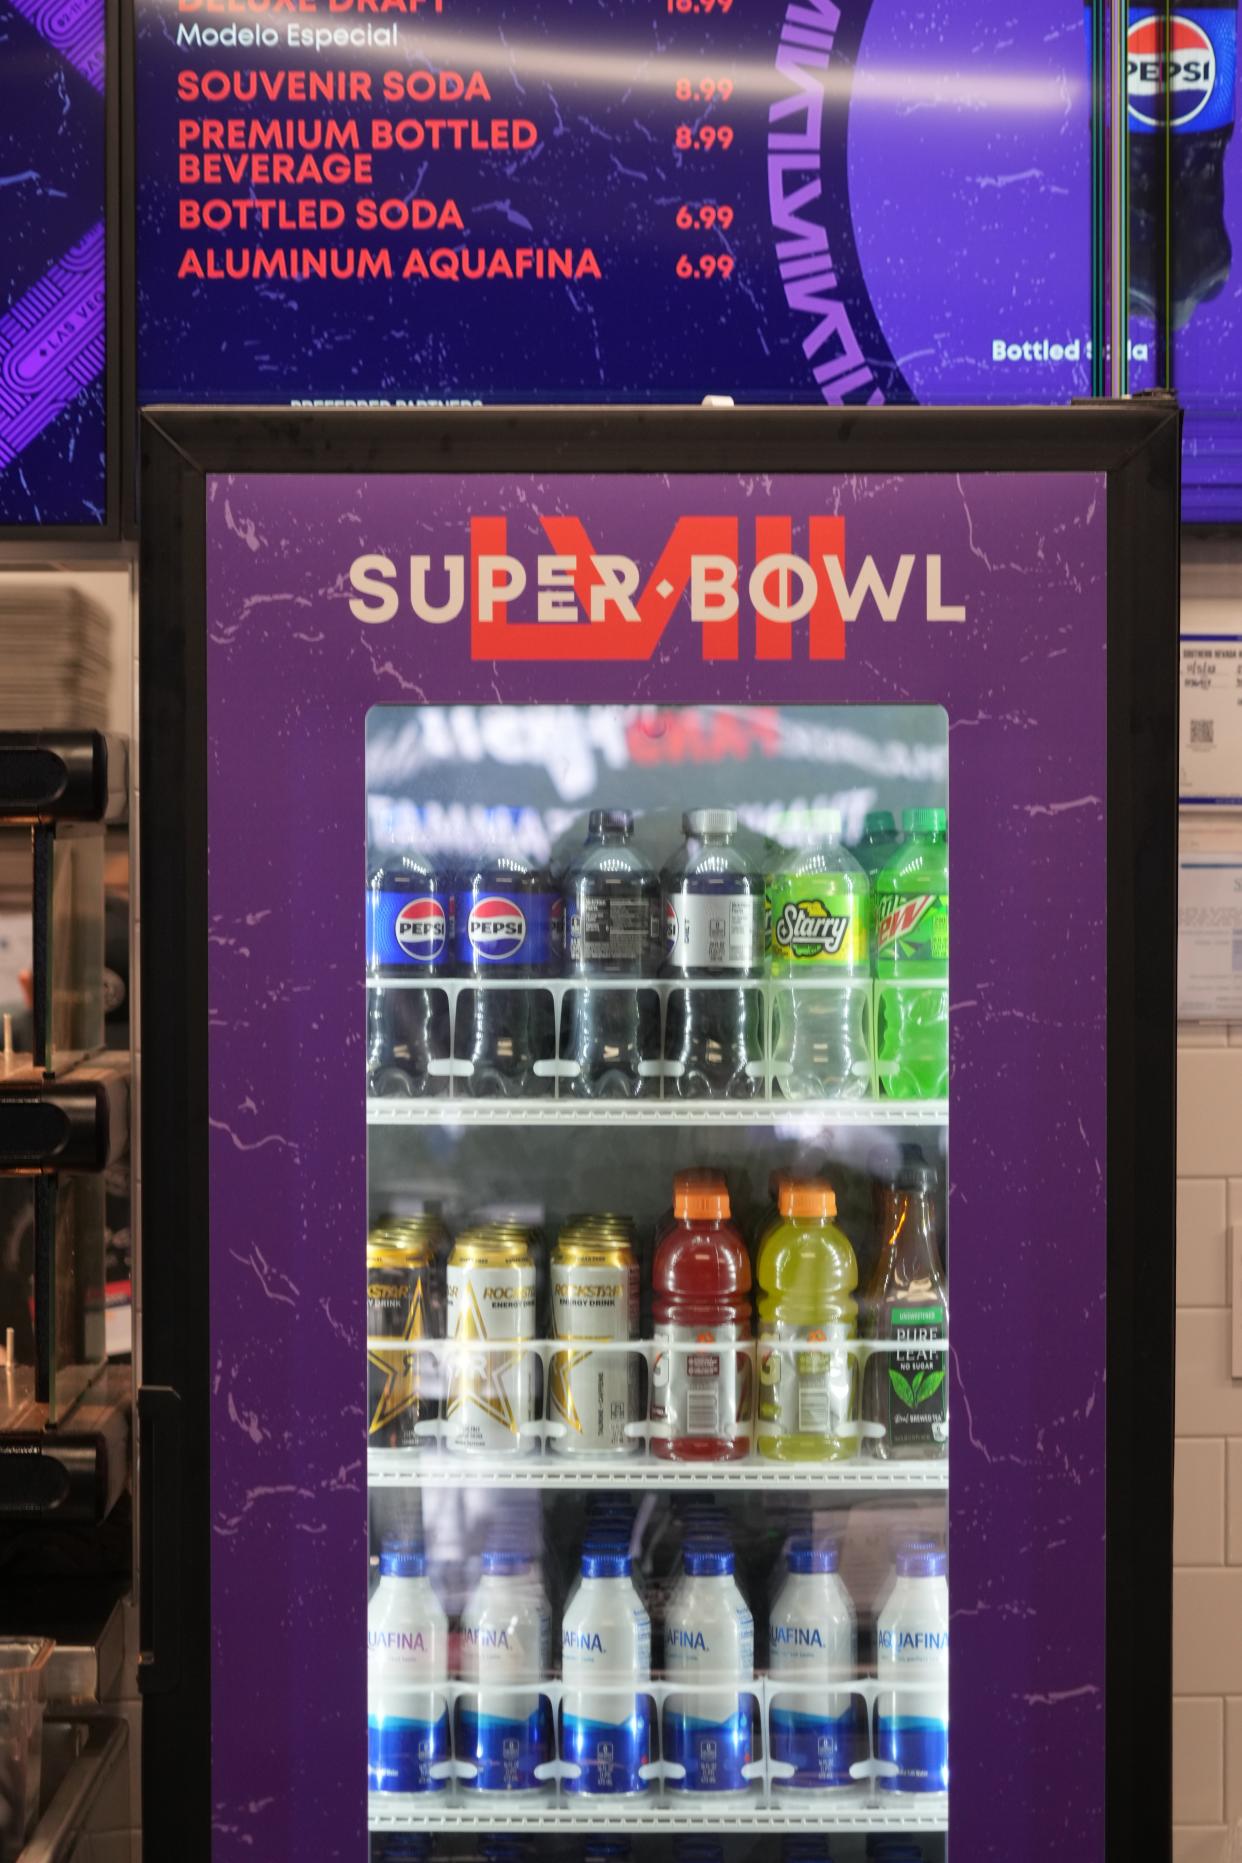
1203,730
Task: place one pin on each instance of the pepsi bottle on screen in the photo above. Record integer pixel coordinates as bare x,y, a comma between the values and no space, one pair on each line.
409,941
1200,84
510,927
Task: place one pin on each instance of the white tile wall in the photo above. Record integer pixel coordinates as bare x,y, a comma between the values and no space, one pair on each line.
1207,1532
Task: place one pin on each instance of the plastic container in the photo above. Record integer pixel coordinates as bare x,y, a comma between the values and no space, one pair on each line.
23,1661
701,1399
807,1273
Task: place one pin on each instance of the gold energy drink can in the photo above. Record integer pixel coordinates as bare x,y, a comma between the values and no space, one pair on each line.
401,1304
493,1384
595,1293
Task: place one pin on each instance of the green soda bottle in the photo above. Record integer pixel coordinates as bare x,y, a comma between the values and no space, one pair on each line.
807,1273
880,837
912,950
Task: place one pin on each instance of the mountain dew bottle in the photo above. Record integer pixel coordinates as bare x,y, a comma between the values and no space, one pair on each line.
912,961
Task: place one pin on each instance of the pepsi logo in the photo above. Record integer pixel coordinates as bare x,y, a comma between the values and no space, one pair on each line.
670,925
1192,70
421,929
496,929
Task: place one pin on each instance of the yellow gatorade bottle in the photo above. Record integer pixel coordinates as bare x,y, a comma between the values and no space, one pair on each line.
807,1273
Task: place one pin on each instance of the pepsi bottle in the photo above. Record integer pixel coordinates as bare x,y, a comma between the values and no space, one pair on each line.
509,930
612,909
714,933
409,944
1198,91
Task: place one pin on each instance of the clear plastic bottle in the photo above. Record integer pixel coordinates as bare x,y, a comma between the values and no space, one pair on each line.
820,902
612,911
714,919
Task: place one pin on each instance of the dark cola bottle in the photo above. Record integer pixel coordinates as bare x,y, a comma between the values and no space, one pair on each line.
1188,80
510,931
714,933
612,911
409,953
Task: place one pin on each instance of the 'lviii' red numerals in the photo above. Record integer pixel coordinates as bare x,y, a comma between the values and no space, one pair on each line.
706,137
707,265
704,215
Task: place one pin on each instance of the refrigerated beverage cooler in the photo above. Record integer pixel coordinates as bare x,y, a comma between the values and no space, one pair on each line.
655,1346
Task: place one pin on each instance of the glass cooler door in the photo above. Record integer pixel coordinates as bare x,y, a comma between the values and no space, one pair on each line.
657,1284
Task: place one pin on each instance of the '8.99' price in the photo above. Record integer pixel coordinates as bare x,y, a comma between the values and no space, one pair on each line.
706,137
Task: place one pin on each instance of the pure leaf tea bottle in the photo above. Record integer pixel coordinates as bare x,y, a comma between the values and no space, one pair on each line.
906,1391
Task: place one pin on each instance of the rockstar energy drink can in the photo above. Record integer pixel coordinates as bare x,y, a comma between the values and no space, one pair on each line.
402,1304
493,1384
594,1298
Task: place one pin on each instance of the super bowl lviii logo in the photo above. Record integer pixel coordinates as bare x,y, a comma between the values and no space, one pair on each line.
768,587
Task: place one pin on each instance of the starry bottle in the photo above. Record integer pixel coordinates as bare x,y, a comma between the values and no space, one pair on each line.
407,1663
714,936
612,911
509,929
820,906
409,951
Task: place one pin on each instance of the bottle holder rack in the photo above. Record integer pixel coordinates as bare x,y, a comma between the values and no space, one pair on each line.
766,1777
773,1003
524,1366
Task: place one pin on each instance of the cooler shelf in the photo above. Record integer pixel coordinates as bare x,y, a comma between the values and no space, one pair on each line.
821,1115
402,1468
617,1815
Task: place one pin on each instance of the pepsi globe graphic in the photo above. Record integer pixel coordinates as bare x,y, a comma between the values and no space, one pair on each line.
497,929
1192,70
422,930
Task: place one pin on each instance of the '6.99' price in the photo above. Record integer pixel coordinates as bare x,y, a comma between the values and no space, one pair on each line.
706,137
704,216
707,265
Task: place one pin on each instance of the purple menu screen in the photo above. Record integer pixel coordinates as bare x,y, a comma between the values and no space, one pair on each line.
52,262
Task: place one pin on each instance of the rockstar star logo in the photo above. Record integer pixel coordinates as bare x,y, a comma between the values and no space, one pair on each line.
402,1386
560,1387
481,1378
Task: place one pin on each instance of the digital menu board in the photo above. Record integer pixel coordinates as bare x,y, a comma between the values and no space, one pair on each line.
458,200
53,269
1193,78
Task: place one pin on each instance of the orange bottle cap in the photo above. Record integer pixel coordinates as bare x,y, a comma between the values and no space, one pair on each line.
777,1180
702,1203
808,1196
698,1177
